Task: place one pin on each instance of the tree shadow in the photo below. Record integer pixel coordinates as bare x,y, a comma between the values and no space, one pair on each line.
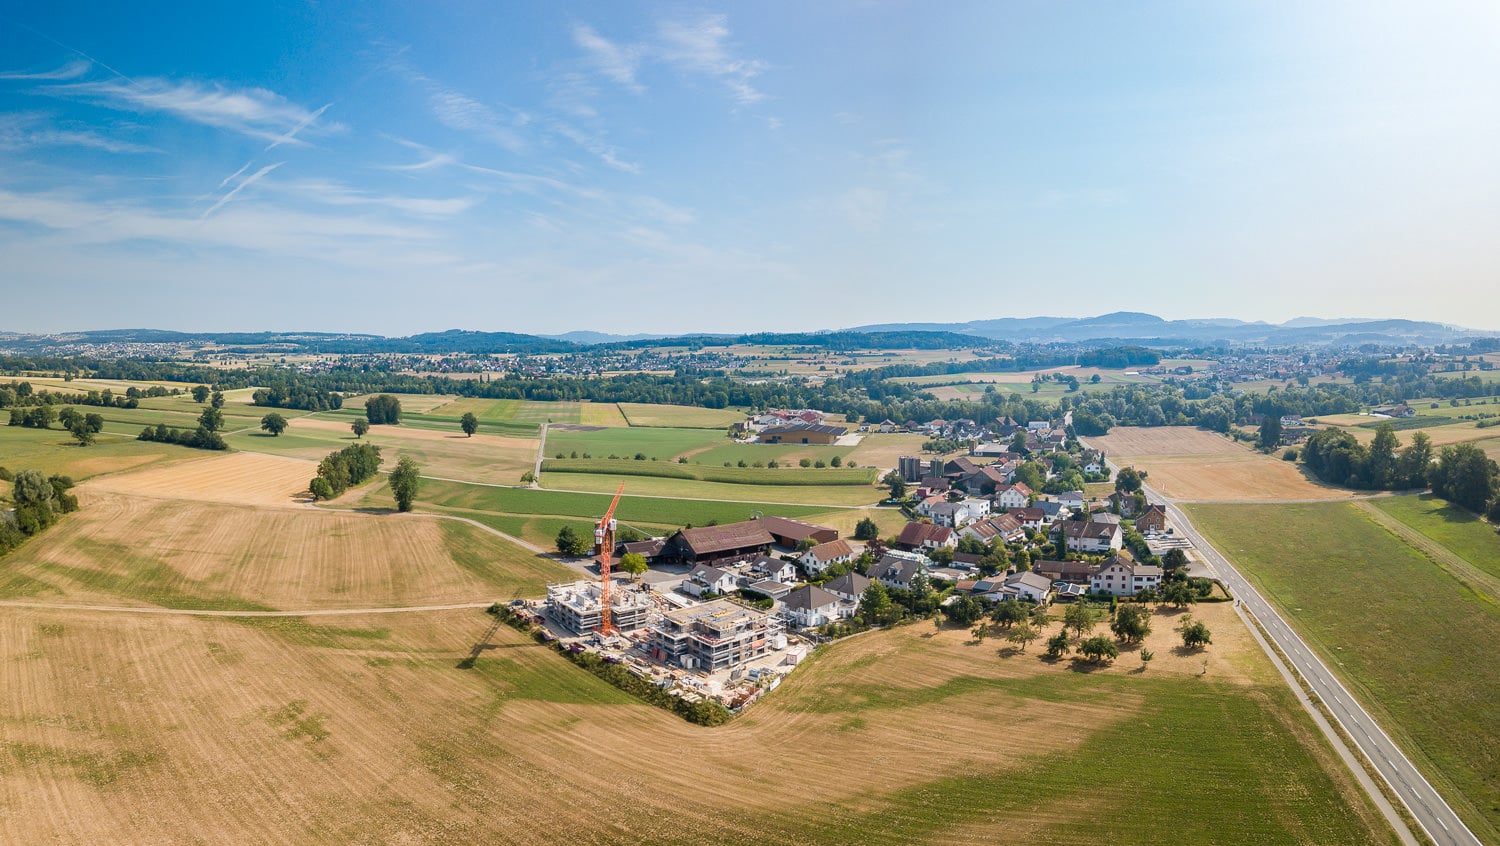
261,435
374,510
1085,666
1187,651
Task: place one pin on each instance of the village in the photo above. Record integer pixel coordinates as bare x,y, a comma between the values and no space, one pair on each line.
724,612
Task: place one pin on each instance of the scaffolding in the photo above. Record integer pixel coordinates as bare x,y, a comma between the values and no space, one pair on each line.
579,607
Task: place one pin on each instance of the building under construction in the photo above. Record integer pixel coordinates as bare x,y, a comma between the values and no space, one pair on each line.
577,607
713,636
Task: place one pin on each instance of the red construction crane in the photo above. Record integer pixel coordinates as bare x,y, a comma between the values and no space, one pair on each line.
604,541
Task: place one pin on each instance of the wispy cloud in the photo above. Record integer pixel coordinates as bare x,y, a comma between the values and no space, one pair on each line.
459,111
330,192
255,112
700,47
618,62
72,70
606,152
22,130
244,183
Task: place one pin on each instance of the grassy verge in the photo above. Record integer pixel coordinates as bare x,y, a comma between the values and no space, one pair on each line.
1394,624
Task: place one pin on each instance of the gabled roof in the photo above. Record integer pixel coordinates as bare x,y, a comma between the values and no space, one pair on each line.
785,527
1029,579
710,575
831,550
1027,514
1090,530
808,597
732,536
852,584
916,534
1066,570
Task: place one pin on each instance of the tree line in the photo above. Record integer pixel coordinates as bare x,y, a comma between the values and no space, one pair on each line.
284,395
1462,473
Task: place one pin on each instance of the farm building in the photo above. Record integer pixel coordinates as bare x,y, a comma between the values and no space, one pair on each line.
713,636
577,606
718,543
789,533
811,433
1079,572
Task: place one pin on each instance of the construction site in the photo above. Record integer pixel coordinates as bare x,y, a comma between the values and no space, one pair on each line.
720,649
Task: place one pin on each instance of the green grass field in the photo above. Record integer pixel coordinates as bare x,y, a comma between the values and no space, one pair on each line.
1398,627
1460,531
680,416
659,443
663,512
54,451
712,473
825,495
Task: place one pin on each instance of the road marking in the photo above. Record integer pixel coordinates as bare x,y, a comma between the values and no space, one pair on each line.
1441,823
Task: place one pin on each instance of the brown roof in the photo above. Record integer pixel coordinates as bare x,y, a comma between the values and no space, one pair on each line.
915,534
785,527
710,539
1080,529
1027,514
832,549
1066,570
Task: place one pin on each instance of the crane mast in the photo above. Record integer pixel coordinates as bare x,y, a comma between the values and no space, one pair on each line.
604,541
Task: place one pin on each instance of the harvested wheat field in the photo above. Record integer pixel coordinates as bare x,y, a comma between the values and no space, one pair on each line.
244,478
435,727
122,550
1195,464
450,454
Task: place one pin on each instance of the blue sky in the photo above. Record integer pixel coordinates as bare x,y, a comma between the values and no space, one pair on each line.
621,167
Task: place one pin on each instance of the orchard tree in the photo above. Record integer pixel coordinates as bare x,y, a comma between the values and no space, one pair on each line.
1131,624
359,427
469,423
1058,645
1079,618
405,480
1195,635
273,423
1022,633
1099,648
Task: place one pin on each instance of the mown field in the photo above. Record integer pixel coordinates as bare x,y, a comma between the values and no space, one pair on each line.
679,416
689,489
437,728
1400,625
1195,464
710,473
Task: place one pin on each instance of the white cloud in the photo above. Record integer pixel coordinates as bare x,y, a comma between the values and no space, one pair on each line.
617,62
461,112
699,47
255,112
23,130
606,152
338,194
72,70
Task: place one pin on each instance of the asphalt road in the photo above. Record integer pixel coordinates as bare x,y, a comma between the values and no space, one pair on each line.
1434,815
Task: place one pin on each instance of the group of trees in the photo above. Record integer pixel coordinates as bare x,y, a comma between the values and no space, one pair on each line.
383,410
16,394
83,426
284,395
1334,456
339,471
200,438
35,417
1466,476
573,543
38,501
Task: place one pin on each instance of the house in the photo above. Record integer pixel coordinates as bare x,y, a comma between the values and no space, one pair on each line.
924,508
886,427
1071,499
1068,592
1088,536
1079,572
705,579
648,549
920,536
1012,496
1003,526
1093,463
1120,576
1122,504
803,433
849,587
1153,519
1030,518
987,479
957,514
994,449
1052,511
766,567
717,543
966,560
1029,585
1403,410
897,571
817,559
791,533
1291,420
811,606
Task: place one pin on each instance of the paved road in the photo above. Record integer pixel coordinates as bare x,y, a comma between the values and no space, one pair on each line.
1434,815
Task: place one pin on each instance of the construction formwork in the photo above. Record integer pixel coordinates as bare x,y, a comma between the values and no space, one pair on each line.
578,607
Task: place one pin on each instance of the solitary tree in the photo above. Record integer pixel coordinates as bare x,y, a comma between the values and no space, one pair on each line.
1128,480
1146,656
360,427
1270,431
633,563
217,400
1023,634
1008,613
1098,648
982,630
1195,635
200,393
211,419
469,423
570,543
405,480
866,529
273,423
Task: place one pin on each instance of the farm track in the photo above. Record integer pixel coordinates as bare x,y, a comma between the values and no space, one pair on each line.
1485,585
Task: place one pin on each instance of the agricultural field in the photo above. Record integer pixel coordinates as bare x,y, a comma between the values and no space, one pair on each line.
495,459
757,476
678,416
1021,379
626,442
1195,464
1391,592
244,478
133,550
53,451
688,489
437,727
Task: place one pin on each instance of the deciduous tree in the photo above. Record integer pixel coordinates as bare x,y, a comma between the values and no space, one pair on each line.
469,423
200,393
1099,648
405,480
1022,633
359,427
273,423
633,563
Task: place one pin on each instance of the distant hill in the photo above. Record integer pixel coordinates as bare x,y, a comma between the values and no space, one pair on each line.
1138,326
